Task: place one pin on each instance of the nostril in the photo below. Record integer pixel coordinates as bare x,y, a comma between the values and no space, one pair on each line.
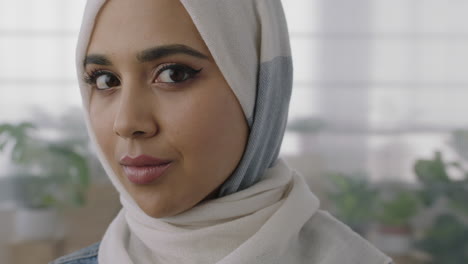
135,128
138,133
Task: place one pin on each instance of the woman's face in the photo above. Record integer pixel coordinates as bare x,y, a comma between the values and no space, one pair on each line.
156,91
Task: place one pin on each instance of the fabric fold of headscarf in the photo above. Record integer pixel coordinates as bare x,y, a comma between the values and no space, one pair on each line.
265,212
223,230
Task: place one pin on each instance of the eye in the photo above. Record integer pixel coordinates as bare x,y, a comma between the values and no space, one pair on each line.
106,81
175,73
102,80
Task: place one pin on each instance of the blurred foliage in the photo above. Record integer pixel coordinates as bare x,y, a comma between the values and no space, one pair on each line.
48,173
433,175
353,199
398,211
356,200
446,240
19,134
358,203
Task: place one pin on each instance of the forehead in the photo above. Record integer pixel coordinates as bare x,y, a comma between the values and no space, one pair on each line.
128,27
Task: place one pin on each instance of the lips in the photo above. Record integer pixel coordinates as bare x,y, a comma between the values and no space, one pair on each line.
144,169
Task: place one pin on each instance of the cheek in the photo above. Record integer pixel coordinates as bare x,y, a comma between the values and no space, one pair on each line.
209,127
102,124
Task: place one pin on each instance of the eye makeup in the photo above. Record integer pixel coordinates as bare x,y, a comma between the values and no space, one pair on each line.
167,74
175,73
101,78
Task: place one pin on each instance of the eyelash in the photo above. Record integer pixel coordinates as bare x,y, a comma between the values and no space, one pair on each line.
91,78
174,66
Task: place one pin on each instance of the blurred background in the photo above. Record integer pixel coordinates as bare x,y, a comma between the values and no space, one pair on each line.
377,124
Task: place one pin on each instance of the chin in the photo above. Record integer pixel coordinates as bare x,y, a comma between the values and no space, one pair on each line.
161,208
157,214
156,211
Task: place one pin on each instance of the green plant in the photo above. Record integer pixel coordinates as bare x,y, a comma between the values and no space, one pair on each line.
18,134
446,240
48,173
398,211
353,200
433,175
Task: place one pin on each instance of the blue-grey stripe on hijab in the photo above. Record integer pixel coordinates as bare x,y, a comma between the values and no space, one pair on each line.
268,125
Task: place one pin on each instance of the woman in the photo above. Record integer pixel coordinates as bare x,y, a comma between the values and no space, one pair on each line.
187,104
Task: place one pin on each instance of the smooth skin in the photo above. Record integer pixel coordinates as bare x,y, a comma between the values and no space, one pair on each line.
171,103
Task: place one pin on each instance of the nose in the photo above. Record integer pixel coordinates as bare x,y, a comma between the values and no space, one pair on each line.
134,117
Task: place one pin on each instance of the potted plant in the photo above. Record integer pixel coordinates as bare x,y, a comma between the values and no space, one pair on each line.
437,183
446,239
47,175
393,216
353,201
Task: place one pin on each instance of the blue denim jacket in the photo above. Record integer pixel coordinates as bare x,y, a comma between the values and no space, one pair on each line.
88,255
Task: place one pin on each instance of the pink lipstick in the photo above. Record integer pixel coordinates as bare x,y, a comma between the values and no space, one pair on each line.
144,169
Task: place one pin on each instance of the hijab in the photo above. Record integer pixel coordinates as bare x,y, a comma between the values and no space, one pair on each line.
264,212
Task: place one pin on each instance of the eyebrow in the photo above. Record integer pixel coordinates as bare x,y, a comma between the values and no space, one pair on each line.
97,59
159,52
150,54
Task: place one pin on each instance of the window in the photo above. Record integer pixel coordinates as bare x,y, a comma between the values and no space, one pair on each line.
381,83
